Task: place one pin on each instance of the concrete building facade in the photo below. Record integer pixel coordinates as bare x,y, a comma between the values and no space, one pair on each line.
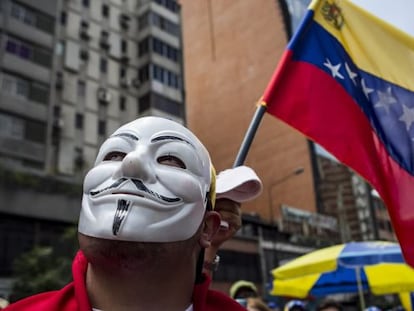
71,72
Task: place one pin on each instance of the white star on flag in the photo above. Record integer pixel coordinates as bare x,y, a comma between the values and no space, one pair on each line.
366,89
407,117
385,99
334,69
351,74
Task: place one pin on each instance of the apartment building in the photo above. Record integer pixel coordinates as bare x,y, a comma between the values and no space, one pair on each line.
71,72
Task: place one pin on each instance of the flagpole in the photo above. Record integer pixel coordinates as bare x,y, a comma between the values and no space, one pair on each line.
251,132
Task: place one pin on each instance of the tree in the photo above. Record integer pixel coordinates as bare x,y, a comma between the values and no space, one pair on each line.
44,268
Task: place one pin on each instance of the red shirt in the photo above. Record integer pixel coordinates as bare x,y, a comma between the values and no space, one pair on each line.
74,297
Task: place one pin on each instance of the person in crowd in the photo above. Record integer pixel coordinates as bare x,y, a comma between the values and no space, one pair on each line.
256,304
243,289
233,187
329,305
295,305
146,218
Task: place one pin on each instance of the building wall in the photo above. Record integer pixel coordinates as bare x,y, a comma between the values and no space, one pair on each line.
231,49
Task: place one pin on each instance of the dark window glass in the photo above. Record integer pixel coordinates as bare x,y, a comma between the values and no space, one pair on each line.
124,46
105,11
42,57
165,104
122,72
28,51
102,127
35,131
144,103
143,20
143,73
157,101
122,103
143,47
103,65
85,3
79,121
11,46
63,18
45,23
39,93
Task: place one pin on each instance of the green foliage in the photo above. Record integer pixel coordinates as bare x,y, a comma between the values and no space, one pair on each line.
45,184
44,268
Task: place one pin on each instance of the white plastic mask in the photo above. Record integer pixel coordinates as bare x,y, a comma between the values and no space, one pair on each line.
149,184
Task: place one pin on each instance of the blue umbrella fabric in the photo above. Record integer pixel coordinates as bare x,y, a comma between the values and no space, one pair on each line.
353,267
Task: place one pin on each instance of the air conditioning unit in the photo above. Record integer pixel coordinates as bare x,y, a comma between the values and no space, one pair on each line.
83,34
104,43
136,82
125,58
124,21
84,54
125,82
103,95
58,123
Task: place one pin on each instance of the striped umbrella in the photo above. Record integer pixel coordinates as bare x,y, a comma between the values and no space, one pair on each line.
354,267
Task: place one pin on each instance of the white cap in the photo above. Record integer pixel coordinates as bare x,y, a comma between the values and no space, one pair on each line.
239,184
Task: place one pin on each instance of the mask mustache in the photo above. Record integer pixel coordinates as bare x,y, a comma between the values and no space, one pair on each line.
140,186
120,214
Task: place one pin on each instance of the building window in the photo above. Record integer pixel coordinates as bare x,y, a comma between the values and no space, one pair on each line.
122,103
102,127
122,72
33,18
124,46
143,74
105,11
165,76
164,49
81,89
103,65
29,90
164,24
85,3
63,18
28,51
162,103
143,47
11,127
15,86
169,4
35,131
79,121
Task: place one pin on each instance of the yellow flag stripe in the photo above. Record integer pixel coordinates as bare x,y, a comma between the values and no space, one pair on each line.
374,45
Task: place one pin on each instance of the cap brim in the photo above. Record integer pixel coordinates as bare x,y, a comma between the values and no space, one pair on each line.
239,184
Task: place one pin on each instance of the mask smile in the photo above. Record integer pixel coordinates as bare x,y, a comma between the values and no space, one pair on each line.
143,191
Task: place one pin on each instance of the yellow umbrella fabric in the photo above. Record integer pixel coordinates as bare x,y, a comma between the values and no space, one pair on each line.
390,278
405,300
382,279
315,262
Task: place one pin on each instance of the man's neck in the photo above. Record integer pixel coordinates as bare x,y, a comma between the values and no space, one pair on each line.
151,288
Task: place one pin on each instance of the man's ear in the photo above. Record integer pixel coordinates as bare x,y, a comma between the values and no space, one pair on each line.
210,227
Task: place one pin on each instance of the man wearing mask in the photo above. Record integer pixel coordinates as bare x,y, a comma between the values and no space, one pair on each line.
147,216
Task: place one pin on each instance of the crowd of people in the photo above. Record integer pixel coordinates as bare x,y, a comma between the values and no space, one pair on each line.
153,217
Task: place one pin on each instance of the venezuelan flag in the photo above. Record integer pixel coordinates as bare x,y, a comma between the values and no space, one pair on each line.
346,81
